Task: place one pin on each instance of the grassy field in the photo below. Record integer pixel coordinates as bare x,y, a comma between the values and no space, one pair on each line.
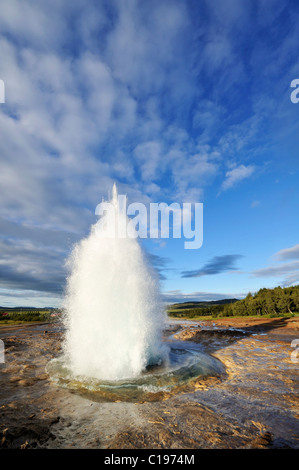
20,316
213,318
191,311
16,322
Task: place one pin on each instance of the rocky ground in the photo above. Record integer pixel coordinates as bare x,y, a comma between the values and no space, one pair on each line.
254,404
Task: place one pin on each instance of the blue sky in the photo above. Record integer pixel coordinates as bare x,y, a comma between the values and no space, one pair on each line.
175,101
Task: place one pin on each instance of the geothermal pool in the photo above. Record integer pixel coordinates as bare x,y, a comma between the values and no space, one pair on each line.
184,366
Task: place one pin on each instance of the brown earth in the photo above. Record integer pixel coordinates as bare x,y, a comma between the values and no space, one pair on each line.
253,405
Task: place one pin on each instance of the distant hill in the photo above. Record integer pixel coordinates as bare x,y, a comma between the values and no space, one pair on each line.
15,309
193,309
201,304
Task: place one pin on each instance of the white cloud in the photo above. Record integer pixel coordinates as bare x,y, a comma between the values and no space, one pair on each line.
28,298
141,49
191,173
289,272
288,253
236,175
30,21
149,155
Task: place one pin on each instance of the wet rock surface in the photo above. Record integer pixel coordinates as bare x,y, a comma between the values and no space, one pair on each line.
253,405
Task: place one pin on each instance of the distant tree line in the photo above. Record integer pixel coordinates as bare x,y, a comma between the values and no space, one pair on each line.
270,302
26,316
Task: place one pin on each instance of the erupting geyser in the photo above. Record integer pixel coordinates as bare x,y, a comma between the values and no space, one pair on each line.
114,323
114,318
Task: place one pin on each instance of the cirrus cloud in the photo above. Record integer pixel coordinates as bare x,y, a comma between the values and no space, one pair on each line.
236,175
